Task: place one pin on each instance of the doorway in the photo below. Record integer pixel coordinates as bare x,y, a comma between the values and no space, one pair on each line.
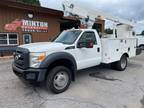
27,38
69,25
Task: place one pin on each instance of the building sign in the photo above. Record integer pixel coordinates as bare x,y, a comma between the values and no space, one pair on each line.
13,26
27,26
34,26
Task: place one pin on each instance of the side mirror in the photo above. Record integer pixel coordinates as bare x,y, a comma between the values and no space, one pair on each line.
87,44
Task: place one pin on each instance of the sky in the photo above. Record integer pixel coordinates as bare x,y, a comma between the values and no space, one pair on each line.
127,9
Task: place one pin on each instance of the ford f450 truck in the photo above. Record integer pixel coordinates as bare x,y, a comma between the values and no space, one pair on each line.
57,62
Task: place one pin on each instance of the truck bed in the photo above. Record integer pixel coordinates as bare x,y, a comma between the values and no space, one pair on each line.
113,48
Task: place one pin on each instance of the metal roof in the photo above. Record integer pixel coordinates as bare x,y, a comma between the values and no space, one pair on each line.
33,8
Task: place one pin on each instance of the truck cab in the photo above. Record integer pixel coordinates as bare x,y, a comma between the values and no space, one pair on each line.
57,62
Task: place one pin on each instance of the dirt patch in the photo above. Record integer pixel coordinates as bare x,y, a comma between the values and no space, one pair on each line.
6,58
102,76
142,102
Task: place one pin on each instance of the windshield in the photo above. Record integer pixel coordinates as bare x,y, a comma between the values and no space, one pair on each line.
68,37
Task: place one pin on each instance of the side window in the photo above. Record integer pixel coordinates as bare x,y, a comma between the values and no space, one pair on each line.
3,39
13,39
88,35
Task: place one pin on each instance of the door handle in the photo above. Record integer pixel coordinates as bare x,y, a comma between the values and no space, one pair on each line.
98,49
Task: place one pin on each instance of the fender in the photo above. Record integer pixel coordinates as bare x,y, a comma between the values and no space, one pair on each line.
58,56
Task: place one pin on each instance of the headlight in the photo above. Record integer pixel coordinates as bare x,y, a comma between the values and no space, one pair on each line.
36,59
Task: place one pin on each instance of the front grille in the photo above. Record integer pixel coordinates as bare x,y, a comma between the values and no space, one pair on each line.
21,58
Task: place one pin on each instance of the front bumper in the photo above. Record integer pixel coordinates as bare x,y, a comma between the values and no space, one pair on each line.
30,74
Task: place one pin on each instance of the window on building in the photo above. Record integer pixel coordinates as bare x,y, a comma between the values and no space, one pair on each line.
8,39
3,38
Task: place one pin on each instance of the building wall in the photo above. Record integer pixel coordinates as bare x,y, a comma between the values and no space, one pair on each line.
7,15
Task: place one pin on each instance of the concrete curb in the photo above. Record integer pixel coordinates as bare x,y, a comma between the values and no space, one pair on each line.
6,57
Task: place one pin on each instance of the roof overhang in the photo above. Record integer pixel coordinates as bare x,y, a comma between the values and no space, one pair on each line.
33,8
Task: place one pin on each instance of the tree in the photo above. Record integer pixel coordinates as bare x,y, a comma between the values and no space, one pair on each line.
97,27
142,33
31,2
108,31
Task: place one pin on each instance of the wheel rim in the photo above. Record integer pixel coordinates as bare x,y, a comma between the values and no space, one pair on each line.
123,63
60,80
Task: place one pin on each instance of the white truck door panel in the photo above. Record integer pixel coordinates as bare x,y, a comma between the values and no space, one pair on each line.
88,57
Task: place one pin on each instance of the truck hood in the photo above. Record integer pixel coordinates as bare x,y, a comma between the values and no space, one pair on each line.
44,46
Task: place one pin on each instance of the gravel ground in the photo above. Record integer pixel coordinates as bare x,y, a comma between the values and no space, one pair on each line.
98,87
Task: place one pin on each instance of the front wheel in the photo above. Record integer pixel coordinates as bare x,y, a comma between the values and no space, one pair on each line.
122,64
58,79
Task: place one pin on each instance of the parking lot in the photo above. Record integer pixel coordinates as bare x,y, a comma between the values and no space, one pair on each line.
98,87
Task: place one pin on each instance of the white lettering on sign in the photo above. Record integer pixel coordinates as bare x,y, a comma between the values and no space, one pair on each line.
34,26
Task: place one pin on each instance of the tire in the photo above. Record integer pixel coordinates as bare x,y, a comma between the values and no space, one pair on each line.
58,79
141,47
122,64
113,65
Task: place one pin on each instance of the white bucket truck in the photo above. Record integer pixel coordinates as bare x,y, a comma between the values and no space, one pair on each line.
57,62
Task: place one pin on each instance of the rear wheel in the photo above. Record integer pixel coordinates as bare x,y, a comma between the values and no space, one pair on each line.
141,47
58,79
122,64
113,65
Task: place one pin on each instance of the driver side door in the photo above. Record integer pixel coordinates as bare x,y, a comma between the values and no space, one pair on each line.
88,57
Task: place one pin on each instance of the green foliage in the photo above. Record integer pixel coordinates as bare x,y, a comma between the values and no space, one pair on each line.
31,2
108,31
96,26
142,33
